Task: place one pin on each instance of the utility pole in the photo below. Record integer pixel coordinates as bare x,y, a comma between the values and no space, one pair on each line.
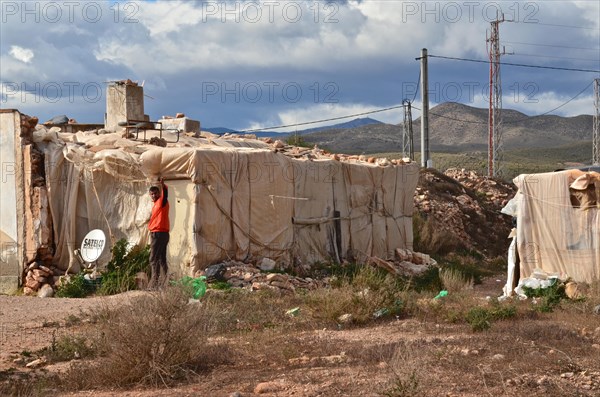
408,145
495,118
425,160
596,127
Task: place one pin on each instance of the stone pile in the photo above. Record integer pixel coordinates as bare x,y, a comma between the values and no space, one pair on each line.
406,263
497,192
317,153
249,276
41,279
466,206
255,277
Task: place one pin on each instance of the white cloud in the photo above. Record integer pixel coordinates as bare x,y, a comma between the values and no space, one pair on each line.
543,103
367,48
329,111
21,54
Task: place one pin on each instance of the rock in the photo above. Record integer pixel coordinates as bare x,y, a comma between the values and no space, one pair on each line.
597,310
215,273
267,265
382,162
39,272
179,115
33,284
19,361
36,363
28,291
278,144
62,119
571,290
498,357
162,142
46,291
345,318
141,280
236,394
268,387
47,270
276,277
283,285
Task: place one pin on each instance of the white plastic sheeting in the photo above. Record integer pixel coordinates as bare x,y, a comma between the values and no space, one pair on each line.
558,224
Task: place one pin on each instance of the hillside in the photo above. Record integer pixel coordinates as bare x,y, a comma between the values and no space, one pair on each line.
358,122
456,127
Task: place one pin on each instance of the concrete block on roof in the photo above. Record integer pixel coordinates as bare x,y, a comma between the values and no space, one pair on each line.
183,124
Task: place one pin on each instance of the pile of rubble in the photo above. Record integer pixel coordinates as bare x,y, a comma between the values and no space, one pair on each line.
262,276
466,206
41,280
249,276
317,153
497,192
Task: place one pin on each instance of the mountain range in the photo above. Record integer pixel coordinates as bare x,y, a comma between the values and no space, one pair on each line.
359,122
455,127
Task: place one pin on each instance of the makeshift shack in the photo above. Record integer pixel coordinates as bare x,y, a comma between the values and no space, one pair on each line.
241,199
557,226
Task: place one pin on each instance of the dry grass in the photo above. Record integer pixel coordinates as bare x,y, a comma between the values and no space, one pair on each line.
430,237
455,281
162,339
156,340
369,295
409,372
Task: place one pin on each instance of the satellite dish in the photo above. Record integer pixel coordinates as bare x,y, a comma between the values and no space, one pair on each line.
93,245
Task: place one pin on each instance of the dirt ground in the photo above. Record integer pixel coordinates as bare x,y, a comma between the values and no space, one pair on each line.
399,357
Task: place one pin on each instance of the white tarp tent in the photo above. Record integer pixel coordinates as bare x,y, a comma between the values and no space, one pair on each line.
558,224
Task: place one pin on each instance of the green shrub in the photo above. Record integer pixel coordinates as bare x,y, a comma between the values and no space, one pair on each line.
479,318
550,297
75,287
68,348
220,285
429,280
120,272
297,140
367,295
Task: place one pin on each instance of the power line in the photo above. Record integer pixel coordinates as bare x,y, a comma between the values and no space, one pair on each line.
560,106
551,45
558,25
517,64
323,120
418,81
550,56
415,107
515,121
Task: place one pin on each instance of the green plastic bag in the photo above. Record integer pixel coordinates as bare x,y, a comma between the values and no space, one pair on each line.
196,285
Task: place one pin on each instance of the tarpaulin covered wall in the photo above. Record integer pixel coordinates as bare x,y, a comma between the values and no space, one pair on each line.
558,224
229,202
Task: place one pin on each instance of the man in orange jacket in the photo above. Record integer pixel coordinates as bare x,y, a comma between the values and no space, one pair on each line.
159,232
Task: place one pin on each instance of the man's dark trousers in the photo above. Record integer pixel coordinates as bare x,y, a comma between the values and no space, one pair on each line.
158,255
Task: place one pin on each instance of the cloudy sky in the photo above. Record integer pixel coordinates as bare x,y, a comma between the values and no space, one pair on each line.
256,64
